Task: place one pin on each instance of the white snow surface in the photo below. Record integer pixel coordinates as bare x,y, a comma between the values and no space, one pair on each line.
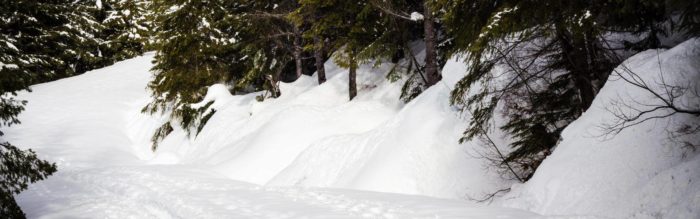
313,154
253,159
415,16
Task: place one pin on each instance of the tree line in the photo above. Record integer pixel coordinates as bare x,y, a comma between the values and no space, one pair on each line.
539,64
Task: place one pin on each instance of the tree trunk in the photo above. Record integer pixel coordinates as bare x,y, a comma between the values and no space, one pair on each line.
352,82
275,89
298,52
577,62
431,66
318,55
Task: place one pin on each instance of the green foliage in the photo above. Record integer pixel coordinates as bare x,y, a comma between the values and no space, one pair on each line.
43,41
239,43
18,169
190,52
552,63
128,28
160,134
205,119
411,89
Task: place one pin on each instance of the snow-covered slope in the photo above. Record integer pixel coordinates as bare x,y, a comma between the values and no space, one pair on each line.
268,159
77,121
639,173
313,137
92,127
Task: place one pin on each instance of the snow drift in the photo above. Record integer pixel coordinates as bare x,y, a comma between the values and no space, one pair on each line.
312,136
92,127
639,173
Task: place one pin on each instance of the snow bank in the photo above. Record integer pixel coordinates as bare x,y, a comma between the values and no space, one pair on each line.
92,127
312,136
415,152
93,118
639,173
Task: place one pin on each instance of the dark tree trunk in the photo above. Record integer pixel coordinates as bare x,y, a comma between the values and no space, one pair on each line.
275,89
298,52
318,55
576,60
273,86
431,65
352,82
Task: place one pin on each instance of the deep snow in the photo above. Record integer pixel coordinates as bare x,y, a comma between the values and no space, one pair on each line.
310,152
91,126
639,173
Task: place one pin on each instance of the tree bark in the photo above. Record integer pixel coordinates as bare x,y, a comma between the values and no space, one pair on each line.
431,65
352,82
298,52
318,55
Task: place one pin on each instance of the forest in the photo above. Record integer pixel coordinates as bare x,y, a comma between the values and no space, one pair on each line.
532,67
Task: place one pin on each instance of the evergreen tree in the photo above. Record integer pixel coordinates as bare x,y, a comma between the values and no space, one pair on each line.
128,27
18,169
268,33
24,29
55,39
555,61
196,45
357,31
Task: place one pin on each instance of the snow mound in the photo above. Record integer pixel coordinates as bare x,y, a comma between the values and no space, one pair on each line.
312,136
639,173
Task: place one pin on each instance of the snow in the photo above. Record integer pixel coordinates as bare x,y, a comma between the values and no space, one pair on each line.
240,165
415,16
8,66
11,46
313,154
638,173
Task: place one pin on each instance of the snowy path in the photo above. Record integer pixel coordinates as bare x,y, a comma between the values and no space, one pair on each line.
187,192
90,126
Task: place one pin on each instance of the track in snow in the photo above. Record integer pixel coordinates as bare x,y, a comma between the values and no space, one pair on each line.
189,192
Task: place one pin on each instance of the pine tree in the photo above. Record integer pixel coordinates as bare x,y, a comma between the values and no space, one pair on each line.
356,31
268,33
78,41
23,26
196,47
128,27
554,63
57,39
18,169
